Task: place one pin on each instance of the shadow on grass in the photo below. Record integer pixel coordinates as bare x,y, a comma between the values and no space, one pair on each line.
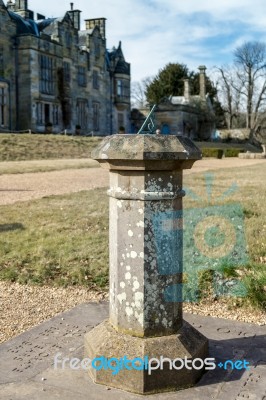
11,227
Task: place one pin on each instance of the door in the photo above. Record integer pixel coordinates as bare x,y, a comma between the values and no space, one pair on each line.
47,113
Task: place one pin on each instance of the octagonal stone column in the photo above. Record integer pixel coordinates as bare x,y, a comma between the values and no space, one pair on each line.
145,248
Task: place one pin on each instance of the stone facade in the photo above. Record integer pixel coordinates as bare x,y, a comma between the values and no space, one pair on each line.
55,76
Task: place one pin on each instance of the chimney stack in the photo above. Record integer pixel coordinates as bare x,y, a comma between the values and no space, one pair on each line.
186,89
92,23
75,16
202,81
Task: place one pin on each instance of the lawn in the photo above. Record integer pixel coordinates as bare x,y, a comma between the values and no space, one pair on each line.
63,240
59,240
15,147
241,191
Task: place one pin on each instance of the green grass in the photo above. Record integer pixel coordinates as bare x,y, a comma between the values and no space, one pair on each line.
60,240
250,194
63,240
15,147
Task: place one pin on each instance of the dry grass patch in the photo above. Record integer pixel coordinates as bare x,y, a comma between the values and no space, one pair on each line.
14,147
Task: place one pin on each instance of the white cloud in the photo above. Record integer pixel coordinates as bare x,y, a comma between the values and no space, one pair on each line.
155,32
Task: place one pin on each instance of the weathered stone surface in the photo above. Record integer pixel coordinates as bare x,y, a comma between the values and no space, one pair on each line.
143,261
146,261
146,152
105,341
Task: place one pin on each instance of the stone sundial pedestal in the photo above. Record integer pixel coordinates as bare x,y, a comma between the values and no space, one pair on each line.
145,244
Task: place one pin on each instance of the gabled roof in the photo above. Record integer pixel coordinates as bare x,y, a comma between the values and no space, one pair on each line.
29,26
49,24
44,23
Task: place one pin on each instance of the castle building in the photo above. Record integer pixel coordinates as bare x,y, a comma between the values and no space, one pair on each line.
55,76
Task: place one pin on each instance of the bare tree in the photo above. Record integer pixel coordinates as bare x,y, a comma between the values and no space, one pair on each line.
138,90
250,60
229,93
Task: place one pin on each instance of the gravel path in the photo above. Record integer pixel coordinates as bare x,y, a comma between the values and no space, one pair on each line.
22,307
23,187
29,186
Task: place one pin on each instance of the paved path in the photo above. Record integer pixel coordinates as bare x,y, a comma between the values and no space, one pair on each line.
29,186
27,361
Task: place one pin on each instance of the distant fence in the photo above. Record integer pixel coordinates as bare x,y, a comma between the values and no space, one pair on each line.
64,132
2,130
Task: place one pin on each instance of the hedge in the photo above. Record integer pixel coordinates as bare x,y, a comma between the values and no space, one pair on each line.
219,153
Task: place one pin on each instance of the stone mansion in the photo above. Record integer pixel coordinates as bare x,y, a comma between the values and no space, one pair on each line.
53,74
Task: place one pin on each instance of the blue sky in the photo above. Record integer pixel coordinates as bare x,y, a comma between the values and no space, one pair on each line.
154,33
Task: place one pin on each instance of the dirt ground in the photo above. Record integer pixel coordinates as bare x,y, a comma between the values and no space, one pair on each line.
29,186
22,307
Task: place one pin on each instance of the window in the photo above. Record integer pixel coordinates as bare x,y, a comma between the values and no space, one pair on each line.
97,47
95,79
66,71
126,88
47,113
122,88
2,106
96,116
1,61
46,75
55,114
68,39
82,81
119,88
39,111
82,106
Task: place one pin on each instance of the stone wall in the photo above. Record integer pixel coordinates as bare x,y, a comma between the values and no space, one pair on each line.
7,70
59,75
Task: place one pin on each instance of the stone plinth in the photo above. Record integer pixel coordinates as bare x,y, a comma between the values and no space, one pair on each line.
146,262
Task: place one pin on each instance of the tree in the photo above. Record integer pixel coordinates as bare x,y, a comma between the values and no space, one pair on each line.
138,89
228,94
169,81
250,60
